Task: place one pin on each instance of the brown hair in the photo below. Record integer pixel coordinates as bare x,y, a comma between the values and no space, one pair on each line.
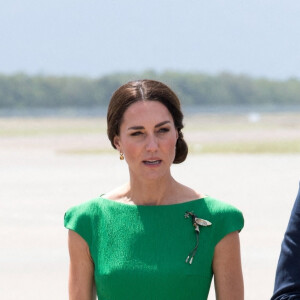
145,90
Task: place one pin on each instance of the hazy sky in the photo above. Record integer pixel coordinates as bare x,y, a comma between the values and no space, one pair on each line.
72,37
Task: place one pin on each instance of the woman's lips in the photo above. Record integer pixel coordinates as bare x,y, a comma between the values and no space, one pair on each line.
152,162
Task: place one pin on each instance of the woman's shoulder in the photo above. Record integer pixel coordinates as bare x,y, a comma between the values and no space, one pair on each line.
85,207
221,212
217,206
225,217
83,218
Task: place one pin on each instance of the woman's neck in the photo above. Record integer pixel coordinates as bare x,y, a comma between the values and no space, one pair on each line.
156,192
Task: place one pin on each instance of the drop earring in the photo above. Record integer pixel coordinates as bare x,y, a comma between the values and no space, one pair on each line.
121,156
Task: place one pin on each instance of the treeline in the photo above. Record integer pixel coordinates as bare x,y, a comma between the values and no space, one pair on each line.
23,91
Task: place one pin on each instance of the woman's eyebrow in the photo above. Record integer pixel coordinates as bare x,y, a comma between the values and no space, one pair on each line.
142,127
136,128
161,123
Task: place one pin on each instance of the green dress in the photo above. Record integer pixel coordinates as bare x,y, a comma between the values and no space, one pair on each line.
140,251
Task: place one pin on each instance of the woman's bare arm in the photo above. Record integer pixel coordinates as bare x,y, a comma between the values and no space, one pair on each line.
81,274
227,269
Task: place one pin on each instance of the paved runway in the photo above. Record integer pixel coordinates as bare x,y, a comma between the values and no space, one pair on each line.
37,185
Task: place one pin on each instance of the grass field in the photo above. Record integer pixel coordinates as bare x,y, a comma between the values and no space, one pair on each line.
205,133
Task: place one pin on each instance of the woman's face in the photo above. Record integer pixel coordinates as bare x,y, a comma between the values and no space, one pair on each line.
147,138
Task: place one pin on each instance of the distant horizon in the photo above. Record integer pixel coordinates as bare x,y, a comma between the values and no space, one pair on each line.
155,72
253,111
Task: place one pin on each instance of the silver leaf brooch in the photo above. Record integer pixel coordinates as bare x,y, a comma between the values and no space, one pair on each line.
196,223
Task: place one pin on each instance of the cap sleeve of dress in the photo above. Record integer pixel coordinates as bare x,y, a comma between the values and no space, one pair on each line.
79,219
227,219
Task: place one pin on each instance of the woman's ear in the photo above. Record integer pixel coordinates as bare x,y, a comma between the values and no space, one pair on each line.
117,142
178,134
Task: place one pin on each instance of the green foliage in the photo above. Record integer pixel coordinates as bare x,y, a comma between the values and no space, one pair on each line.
23,91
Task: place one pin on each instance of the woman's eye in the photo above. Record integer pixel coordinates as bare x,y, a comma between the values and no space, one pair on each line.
136,133
162,130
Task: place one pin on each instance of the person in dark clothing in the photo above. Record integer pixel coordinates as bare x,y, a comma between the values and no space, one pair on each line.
287,280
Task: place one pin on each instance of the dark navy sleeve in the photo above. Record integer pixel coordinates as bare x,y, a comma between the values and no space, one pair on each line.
287,281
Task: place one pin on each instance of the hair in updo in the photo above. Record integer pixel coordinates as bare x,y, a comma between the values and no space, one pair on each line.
145,90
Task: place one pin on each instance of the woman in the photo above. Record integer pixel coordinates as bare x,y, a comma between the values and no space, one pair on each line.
152,238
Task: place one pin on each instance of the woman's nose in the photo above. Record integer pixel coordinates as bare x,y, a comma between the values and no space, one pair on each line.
152,143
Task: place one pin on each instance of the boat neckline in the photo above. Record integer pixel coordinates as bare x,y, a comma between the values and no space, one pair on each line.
162,205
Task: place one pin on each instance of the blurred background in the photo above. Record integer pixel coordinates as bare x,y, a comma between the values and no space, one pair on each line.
235,65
